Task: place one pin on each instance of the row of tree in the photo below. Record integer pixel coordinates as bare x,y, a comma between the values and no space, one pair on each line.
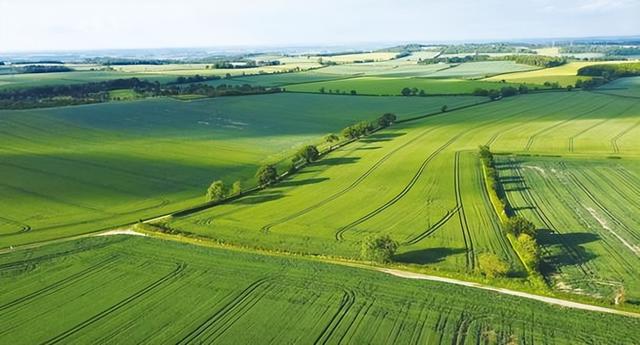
535,60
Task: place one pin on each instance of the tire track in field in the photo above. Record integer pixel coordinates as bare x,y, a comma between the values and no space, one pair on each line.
530,199
461,329
432,229
354,184
535,135
357,320
222,319
340,232
23,226
627,179
61,284
573,137
114,308
606,211
614,140
462,217
347,302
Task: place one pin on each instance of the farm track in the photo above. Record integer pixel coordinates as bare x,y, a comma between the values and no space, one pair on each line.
347,302
221,320
432,229
60,284
614,141
354,184
535,135
462,217
627,179
573,137
23,227
158,283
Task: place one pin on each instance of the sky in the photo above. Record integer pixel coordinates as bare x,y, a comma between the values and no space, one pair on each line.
41,25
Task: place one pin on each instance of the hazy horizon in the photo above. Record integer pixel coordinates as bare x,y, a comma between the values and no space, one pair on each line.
75,25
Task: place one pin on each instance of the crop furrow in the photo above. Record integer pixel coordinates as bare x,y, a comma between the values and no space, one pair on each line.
573,137
462,217
448,215
64,335
348,300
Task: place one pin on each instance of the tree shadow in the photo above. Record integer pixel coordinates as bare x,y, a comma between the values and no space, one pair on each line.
336,161
427,256
260,198
511,179
292,183
516,189
368,148
380,137
570,244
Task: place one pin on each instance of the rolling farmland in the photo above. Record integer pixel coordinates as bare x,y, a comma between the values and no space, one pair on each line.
138,290
421,182
77,169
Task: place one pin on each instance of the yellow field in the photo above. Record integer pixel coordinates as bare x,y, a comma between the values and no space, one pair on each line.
565,74
381,56
549,51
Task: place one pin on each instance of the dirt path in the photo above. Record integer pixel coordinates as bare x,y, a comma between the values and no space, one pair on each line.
545,299
390,271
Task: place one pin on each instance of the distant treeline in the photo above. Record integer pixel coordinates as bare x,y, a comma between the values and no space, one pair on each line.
533,60
486,48
244,64
124,62
611,71
610,50
43,69
60,95
49,62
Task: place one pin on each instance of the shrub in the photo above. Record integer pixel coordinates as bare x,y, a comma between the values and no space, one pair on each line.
216,191
386,120
378,248
308,153
492,265
529,251
519,225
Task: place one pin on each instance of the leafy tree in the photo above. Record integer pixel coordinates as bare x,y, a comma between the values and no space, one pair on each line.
308,153
322,90
492,265
353,92
236,188
444,108
406,91
529,250
485,153
267,174
386,119
519,225
508,91
481,92
216,191
378,248
523,89
422,93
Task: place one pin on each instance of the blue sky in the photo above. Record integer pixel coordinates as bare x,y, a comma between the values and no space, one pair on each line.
90,24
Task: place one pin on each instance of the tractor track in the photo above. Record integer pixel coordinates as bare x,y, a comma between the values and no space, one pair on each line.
347,302
437,225
464,226
354,184
573,137
149,288
614,141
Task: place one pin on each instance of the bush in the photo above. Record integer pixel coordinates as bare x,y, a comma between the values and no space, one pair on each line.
308,153
518,225
378,248
267,174
236,188
386,120
529,251
492,265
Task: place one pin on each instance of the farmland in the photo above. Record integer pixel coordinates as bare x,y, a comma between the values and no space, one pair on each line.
393,86
76,169
421,182
139,290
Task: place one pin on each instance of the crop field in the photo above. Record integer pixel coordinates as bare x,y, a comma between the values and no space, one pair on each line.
625,87
349,58
393,86
564,75
587,209
139,290
391,68
76,169
421,182
481,69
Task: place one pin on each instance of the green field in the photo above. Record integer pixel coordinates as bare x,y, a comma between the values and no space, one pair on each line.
587,209
393,86
421,182
138,290
77,169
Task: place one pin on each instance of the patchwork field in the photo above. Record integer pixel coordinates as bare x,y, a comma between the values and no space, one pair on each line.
76,169
139,290
421,182
393,86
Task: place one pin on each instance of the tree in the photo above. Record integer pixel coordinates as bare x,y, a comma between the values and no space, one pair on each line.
422,93
522,89
406,91
519,225
508,91
386,119
216,191
378,248
353,92
236,188
444,108
492,266
267,174
529,250
308,153
330,138
322,90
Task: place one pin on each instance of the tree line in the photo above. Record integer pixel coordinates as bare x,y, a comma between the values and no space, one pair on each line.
96,92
